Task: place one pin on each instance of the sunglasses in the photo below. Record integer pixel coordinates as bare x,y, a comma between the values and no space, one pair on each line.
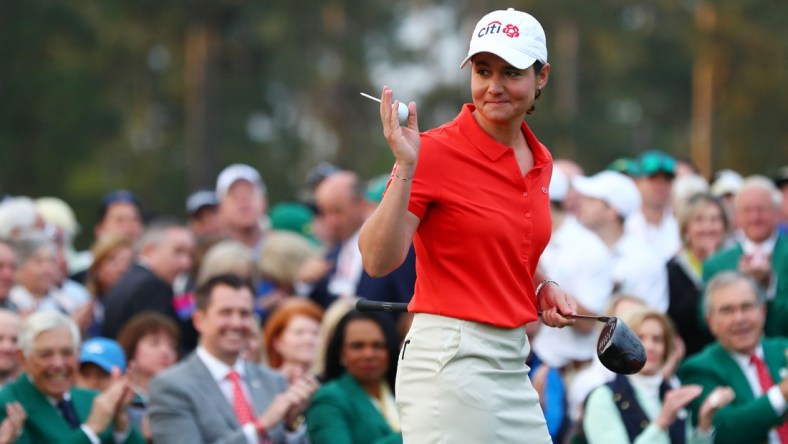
653,163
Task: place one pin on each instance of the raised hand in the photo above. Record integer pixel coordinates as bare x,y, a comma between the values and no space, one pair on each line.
13,424
717,399
300,393
110,405
676,400
403,141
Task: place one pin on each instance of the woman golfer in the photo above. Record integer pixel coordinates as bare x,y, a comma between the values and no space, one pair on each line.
472,197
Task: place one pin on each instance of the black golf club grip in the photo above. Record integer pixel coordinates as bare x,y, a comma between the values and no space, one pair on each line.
367,305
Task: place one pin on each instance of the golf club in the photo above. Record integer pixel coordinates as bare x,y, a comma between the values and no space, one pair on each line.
618,348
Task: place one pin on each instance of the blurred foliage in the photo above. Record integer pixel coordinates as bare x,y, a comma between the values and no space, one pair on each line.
157,96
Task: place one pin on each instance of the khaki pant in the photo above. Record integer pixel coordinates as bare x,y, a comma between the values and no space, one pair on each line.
466,382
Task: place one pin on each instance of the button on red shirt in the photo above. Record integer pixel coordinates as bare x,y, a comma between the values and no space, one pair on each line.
482,224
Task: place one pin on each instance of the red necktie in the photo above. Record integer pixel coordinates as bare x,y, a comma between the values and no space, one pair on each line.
766,381
243,411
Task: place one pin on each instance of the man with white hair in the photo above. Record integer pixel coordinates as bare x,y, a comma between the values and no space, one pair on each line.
743,359
608,198
57,410
760,251
243,204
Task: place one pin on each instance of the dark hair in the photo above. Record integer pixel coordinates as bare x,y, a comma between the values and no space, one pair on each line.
334,367
118,196
144,324
204,291
537,70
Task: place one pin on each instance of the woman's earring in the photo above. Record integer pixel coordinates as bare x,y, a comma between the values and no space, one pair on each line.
538,93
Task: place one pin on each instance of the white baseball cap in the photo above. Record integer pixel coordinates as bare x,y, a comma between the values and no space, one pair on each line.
615,189
234,173
726,182
559,185
199,200
512,35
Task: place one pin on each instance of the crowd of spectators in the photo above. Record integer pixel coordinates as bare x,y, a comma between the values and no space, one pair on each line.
237,324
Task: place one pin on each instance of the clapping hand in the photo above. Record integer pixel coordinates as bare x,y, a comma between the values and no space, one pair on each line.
12,426
675,401
717,399
110,405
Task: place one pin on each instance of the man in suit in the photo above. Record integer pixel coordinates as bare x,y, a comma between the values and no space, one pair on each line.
760,251
343,210
214,396
165,251
753,366
57,411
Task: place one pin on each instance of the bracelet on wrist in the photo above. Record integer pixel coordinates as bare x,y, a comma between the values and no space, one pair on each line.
400,177
542,285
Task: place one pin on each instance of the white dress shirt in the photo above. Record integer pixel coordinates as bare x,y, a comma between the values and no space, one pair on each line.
774,394
219,371
581,264
348,268
639,272
664,237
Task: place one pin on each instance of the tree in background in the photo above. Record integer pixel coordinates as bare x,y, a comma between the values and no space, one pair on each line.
157,96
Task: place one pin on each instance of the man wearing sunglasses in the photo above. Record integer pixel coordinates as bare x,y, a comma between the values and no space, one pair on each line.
655,222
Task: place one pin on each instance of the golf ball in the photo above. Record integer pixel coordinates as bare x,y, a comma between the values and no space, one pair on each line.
402,111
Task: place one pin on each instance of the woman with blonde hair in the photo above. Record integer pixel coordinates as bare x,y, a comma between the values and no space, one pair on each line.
280,265
702,225
228,256
646,407
112,258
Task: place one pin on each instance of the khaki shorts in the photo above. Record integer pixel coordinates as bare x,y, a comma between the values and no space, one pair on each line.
466,382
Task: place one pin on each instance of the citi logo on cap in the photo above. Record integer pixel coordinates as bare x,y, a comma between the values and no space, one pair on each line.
496,27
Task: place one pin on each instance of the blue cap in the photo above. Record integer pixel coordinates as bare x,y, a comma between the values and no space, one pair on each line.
104,352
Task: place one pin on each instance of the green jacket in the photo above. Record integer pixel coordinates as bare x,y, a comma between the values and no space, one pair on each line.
44,423
746,418
777,308
342,413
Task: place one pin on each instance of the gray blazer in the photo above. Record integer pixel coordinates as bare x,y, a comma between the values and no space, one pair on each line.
187,406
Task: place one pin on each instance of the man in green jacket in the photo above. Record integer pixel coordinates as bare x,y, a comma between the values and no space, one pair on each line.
761,251
56,410
753,366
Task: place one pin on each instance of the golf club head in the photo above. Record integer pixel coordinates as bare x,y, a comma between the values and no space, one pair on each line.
619,349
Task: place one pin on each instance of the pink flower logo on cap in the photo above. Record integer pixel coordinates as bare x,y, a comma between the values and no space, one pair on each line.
511,31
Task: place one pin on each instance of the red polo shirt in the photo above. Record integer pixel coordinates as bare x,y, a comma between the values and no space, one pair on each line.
482,224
